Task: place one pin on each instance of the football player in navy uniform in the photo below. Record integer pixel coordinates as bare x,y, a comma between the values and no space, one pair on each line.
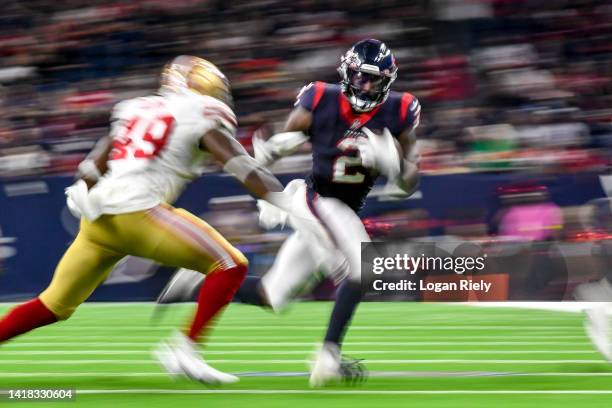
359,129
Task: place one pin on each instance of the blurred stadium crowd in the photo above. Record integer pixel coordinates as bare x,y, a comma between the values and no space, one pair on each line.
505,84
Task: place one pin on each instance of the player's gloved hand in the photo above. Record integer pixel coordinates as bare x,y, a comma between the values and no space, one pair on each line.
276,207
379,152
80,202
366,153
271,216
261,150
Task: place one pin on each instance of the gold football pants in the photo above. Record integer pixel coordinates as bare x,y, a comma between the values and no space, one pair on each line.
164,234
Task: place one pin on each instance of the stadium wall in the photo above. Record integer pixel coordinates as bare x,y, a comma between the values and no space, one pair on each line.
36,227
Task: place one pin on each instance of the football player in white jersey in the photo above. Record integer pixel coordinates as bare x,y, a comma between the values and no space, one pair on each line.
156,146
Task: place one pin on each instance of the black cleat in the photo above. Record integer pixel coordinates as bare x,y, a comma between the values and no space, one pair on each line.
352,371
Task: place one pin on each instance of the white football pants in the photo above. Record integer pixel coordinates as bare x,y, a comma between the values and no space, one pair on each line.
328,235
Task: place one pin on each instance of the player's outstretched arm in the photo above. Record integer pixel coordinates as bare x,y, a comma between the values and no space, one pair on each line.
286,142
235,160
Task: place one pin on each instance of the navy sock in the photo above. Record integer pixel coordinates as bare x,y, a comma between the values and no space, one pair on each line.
249,291
347,299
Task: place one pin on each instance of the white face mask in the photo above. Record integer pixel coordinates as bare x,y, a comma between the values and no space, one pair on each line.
365,90
361,105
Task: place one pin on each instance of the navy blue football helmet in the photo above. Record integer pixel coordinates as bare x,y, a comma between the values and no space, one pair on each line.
367,71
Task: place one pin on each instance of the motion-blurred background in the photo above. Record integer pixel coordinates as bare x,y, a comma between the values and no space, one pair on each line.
515,135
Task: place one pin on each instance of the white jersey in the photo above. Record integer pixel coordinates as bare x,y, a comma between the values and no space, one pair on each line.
156,149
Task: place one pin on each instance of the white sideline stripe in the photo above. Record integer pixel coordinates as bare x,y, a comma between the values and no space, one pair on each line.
295,343
374,374
272,352
503,308
303,361
242,316
341,392
263,374
70,375
72,353
407,326
489,320
143,375
568,307
174,309
303,337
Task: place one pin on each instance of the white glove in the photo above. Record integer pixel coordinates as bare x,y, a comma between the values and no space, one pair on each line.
271,216
88,169
274,210
379,152
79,202
261,150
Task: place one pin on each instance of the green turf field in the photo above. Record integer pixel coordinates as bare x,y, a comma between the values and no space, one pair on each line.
418,355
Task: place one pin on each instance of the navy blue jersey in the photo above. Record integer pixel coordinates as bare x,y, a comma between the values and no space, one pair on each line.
336,170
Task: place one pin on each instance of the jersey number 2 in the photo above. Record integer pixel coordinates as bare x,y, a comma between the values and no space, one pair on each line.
142,137
343,172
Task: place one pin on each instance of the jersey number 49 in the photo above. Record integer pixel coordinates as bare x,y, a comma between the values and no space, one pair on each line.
142,137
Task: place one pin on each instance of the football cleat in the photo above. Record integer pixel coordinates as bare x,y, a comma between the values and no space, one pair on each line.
599,291
329,366
179,356
597,320
352,370
597,326
165,357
